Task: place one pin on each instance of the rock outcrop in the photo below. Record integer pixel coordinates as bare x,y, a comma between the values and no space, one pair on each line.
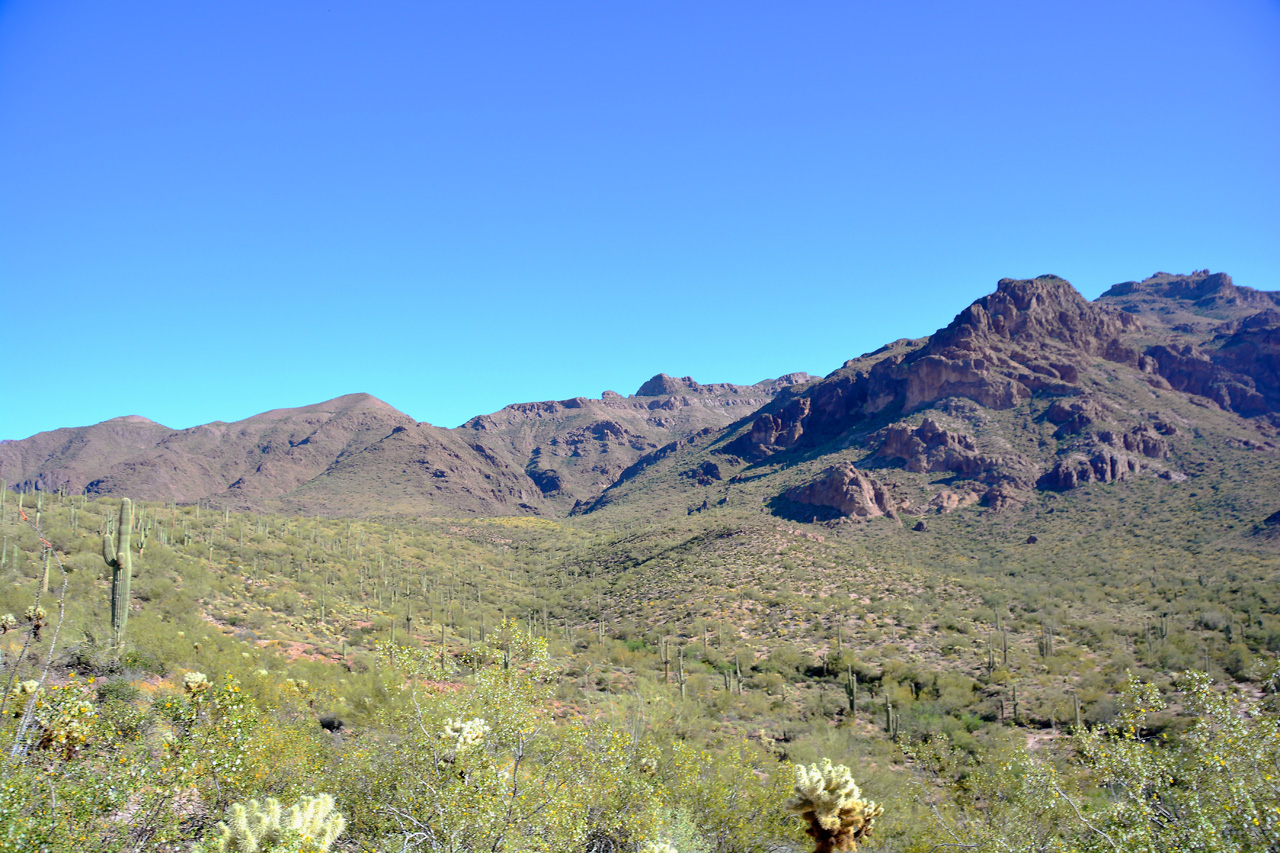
1141,439
1226,338
929,448
1191,370
1073,415
1104,466
849,491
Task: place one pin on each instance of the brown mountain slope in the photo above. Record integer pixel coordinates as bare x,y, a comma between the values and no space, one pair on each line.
1031,390
354,454
357,455
417,470
74,456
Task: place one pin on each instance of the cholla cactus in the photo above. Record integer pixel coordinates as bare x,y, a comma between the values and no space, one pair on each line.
21,691
828,798
311,825
7,623
658,847
36,616
195,683
465,734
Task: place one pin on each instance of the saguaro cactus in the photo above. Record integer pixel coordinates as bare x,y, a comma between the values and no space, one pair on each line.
117,556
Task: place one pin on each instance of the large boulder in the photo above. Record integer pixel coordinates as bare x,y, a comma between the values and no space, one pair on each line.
1104,466
849,491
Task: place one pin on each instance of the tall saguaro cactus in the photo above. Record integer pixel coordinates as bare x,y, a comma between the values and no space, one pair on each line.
117,556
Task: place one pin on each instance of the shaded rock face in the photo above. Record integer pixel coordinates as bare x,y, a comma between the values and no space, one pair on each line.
1191,370
1229,347
1073,416
1251,349
1104,466
1141,439
1028,337
705,474
929,448
546,479
847,490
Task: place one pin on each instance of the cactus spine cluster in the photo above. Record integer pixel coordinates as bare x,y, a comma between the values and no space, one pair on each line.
831,802
259,827
118,559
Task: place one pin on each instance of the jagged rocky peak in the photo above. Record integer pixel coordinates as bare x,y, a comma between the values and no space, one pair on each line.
1035,312
1188,303
1031,336
1194,287
663,385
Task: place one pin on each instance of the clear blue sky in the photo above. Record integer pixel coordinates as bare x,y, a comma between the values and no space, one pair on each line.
212,209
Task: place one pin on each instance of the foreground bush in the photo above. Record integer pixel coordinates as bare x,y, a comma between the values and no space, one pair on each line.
1198,769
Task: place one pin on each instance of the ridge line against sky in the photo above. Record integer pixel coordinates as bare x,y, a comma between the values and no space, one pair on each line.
212,211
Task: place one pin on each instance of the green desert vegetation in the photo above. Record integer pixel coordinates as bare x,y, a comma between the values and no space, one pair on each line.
605,683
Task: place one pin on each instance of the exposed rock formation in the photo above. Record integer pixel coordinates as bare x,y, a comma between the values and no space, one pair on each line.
947,500
1226,338
1141,439
1208,292
1073,415
929,448
1191,370
704,474
1104,466
590,444
849,491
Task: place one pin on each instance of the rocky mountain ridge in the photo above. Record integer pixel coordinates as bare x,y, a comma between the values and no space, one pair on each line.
358,455
1030,390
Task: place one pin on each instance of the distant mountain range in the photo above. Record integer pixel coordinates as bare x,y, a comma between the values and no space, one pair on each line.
1030,390
356,455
